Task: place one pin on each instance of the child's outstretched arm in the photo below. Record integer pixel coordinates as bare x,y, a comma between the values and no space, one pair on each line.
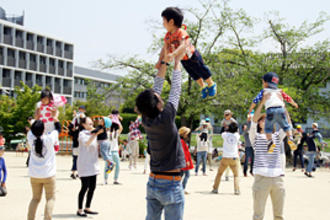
288,99
256,100
180,50
161,57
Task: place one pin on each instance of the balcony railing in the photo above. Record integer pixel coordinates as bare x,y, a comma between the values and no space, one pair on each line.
68,55
29,45
7,39
57,88
58,52
29,83
33,65
52,69
6,82
67,90
40,47
42,68
19,42
61,71
10,61
22,64
50,50
18,82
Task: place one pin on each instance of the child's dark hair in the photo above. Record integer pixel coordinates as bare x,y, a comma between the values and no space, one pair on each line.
174,13
29,118
146,103
233,127
37,130
82,121
115,112
46,93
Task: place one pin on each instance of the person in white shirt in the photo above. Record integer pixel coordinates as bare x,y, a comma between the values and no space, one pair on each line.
267,168
202,148
88,166
42,166
229,157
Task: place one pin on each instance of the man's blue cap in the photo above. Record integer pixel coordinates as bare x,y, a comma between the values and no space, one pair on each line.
207,119
272,79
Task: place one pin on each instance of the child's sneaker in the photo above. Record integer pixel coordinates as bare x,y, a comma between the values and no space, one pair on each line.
212,91
205,92
109,168
271,146
292,145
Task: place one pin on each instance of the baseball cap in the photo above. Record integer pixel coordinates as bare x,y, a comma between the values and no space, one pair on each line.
207,119
227,112
272,79
315,124
298,126
82,107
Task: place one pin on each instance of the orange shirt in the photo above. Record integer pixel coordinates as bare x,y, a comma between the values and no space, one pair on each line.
172,40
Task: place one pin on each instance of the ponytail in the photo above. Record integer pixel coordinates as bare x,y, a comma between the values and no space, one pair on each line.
37,130
38,146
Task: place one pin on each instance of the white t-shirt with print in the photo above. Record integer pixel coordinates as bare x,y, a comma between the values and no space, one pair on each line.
230,144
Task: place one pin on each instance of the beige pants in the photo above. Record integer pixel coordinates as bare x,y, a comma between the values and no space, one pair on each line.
209,160
224,163
37,188
264,186
134,146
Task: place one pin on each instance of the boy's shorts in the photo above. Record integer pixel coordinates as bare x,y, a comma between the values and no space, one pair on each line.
276,115
105,150
196,67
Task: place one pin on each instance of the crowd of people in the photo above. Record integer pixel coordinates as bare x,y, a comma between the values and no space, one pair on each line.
168,159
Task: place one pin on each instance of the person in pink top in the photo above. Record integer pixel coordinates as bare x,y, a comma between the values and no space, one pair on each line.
115,119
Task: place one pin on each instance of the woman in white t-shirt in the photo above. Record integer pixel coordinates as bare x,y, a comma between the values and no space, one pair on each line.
42,166
114,148
229,157
88,167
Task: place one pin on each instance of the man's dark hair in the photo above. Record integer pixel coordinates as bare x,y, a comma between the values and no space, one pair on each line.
146,103
233,127
175,14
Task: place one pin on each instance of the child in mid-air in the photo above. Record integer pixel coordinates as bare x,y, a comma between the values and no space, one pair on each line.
275,110
46,110
176,41
115,118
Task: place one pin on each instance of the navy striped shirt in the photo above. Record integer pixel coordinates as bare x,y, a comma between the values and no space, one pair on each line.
266,164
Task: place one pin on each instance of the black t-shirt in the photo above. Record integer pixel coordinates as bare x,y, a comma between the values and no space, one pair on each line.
103,135
164,143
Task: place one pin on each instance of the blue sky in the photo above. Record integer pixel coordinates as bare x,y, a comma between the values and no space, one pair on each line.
120,27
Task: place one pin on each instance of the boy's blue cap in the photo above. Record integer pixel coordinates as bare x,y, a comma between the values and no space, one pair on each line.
272,79
207,119
107,122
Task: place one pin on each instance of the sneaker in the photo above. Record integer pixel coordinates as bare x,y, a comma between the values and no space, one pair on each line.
186,193
251,173
204,174
105,182
116,183
294,169
237,192
205,92
81,214
245,175
292,145
212,90
109,168
214,191
306,174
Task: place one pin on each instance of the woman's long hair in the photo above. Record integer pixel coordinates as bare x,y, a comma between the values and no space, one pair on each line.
37,130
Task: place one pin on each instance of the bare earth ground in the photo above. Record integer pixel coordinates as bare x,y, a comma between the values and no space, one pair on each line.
306,198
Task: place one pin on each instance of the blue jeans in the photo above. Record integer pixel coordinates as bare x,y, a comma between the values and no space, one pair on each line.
186,174
105,150
311,155
201,156
249,153
276,115
167,195
116,159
